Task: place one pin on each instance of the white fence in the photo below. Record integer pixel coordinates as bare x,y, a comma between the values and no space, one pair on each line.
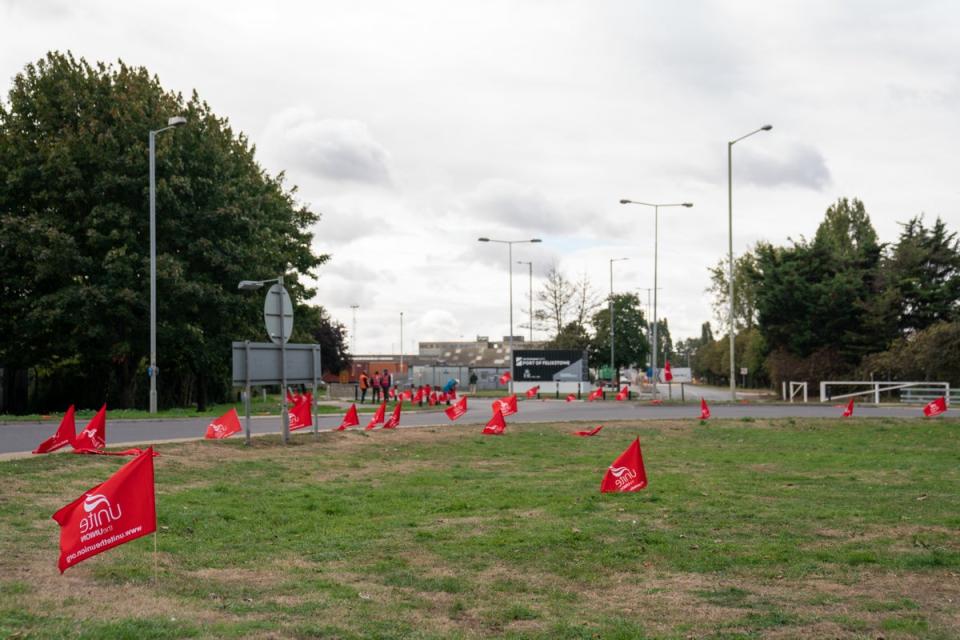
795,388
877,388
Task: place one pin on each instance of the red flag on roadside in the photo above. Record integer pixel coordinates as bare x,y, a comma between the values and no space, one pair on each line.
432,398
596,394
94,435
507,406
533,391
290,398
667,371
623,394
627,472
591,432
456,410
394,420
704,409
849,410
406,395
496,425
571,397
936,407
64,435
443,397
393,393
116,511
505,378
224,426
419,395
350,419
300,415
656,401
378,417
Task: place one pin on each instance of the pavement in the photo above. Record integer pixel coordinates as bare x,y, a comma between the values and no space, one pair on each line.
20,438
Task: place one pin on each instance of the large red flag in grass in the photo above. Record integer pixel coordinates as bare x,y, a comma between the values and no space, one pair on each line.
704,409
64,435
533,391
300,415
394,420
623,394
627,472
378,417
454,411
849,410
496,425
351,419
224,426
507,406
94,435
936,407
596,394
591,432
108,515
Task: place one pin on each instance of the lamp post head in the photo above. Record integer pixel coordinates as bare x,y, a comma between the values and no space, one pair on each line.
766,127
536,240
483,239
688,204
249,285
625,201
176,121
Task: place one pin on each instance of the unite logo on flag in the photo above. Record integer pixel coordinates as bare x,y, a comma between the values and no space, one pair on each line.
627,472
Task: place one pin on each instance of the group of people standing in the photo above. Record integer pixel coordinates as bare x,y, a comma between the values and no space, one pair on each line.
379,385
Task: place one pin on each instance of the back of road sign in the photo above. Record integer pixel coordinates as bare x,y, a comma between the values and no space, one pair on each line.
276,308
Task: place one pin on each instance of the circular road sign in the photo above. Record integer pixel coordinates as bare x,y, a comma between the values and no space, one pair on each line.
277,313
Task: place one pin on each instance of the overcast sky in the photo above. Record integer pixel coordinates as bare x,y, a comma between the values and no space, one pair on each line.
415,127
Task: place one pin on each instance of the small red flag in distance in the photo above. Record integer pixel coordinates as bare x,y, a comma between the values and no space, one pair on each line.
351,419
704,409
299,414
507,406
406,395
505,378
591,432
64,435
596,394
849,410
533,391
623,394
667,371
94,435
936,407
394,420
393,393
627,472
432,398
378,417
110,514
571,397
454,411
224,426
496,425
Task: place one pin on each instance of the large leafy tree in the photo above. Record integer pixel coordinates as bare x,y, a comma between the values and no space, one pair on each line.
630,342
74,243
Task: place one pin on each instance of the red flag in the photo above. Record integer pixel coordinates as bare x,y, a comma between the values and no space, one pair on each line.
704,409
591,432
596,394
496,425
64,435
667,372
432,398
623,394
656,401
224,426
94,435
936,407
507,406
419,395
350,419
300,415
443,397
378,417
849,410
571,397
533,391
406,395
108,515
505,378
394,420
454,411
393,393
627,472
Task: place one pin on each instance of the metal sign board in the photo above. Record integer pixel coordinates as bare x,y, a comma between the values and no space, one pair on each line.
680,374
549,365
277,307
262,362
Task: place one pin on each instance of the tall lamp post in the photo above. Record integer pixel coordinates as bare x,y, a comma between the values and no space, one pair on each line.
530,267
614,379
510,244
152,370
766,127
656,231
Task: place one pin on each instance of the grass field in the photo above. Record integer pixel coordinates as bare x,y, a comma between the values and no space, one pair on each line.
749,529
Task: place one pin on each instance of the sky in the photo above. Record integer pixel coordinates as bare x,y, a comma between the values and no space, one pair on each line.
416,127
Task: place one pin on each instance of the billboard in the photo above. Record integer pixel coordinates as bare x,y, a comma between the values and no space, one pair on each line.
549,365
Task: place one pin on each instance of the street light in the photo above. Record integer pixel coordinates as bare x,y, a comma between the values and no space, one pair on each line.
152,370
530,265
612,376
510,244
656,231
766,127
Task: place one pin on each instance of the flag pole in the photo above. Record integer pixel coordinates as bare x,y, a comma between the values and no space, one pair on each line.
154,557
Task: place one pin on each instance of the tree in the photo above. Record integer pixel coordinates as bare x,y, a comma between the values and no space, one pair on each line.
744,291
74,247
585,301
555,298
572,336
631,347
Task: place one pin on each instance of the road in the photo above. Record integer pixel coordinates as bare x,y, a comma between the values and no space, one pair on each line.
18,438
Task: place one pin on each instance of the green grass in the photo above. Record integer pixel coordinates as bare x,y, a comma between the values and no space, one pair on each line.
799,528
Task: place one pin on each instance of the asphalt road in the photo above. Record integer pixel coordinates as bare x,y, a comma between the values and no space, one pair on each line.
18,438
